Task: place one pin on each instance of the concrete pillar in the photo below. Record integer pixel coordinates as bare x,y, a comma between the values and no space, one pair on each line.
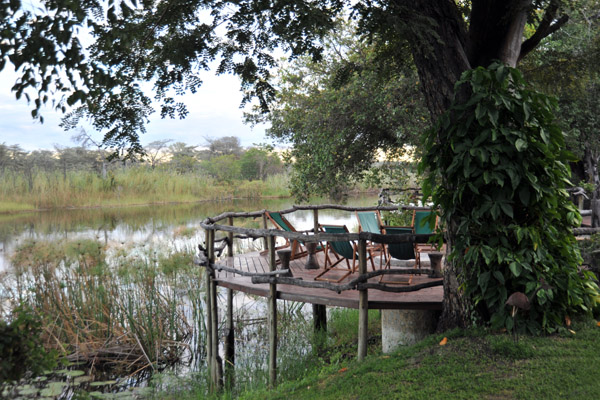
405,327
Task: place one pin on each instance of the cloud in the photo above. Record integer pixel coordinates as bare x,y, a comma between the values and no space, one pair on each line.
213,112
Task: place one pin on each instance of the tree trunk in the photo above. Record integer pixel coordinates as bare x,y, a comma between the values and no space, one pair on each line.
591,170
442,53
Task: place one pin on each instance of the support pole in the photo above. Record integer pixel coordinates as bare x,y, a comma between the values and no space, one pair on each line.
272,317
265,239
208,319
216,366
230,239
320,317
319,311
230,343
363,303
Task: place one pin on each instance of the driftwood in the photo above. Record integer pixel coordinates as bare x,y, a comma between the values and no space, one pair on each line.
354,283
256,214
585,231
218,267
321,237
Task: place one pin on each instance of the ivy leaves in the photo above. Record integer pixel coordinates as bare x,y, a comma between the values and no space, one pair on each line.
499,163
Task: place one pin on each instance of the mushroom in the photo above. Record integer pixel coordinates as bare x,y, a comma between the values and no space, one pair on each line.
518,300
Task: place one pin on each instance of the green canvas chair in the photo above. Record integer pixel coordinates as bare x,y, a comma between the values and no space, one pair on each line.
400,251
421,226
370,221
297,247
342,250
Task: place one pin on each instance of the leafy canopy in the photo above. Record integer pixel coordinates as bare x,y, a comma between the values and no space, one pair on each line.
343,113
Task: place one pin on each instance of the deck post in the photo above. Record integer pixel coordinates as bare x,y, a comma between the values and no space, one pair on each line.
320,317
272,317
230,238
363,303
216,367
209,330
230,343
319,310
265,239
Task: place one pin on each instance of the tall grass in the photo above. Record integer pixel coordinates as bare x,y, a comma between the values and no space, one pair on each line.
123,186
129,315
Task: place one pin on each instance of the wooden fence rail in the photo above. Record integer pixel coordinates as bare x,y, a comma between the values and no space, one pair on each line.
273,277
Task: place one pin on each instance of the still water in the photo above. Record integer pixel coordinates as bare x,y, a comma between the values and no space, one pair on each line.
156,225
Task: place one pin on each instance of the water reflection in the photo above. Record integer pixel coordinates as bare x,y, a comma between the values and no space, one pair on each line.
173,225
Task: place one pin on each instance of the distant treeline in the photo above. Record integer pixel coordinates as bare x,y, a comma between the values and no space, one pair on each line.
83,176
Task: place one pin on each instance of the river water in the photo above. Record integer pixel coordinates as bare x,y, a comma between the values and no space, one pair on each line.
161,225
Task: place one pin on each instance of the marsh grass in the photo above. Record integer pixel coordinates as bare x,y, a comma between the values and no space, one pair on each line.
128,316
125,186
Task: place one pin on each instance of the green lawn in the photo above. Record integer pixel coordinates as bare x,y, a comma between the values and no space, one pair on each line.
474,364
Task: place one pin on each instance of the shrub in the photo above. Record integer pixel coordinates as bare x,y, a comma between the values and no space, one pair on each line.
21,349
500,167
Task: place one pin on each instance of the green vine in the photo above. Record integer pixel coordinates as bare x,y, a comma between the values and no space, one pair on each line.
497,168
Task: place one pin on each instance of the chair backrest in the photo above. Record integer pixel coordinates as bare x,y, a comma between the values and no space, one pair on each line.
280,220
401,251
369,221
344,248
420,226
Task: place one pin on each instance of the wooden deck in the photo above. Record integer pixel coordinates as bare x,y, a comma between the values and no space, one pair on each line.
424,299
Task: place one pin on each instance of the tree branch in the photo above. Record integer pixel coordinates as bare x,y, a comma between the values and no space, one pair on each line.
546,28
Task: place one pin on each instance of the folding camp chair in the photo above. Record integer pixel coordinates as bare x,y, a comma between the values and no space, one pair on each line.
370,221
296,246
342,250
421,226
400,251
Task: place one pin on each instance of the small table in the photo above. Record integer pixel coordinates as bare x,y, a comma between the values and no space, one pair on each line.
311,263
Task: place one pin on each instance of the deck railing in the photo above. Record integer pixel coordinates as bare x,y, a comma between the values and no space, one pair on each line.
273,277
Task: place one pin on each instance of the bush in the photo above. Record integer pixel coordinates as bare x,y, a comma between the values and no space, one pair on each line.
21,350
500,167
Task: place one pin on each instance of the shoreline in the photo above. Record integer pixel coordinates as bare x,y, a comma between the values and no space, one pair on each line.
166,202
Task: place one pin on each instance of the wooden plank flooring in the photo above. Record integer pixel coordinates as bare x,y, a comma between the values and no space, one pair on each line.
429,299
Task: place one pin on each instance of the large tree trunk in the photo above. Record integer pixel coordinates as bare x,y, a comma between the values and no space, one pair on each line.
441,55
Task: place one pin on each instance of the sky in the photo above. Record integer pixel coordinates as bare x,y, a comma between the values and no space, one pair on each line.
213,112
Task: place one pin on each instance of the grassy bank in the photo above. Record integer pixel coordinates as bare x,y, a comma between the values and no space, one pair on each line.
131,185
474,364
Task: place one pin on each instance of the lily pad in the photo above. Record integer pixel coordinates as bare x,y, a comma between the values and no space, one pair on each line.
74,373
103,383
82,379
28,391
53,389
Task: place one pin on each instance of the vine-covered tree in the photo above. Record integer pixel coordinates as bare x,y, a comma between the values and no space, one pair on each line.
168,42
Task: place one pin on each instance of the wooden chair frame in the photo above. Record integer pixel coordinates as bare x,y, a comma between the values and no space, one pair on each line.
331,265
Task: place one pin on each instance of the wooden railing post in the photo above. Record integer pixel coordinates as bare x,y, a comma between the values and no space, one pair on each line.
230,333
265,240
363,303
230,343
272,317
208,319
216,369
230,239
319,310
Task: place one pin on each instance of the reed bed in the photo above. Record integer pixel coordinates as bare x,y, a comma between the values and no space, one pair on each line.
143,312
122,186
